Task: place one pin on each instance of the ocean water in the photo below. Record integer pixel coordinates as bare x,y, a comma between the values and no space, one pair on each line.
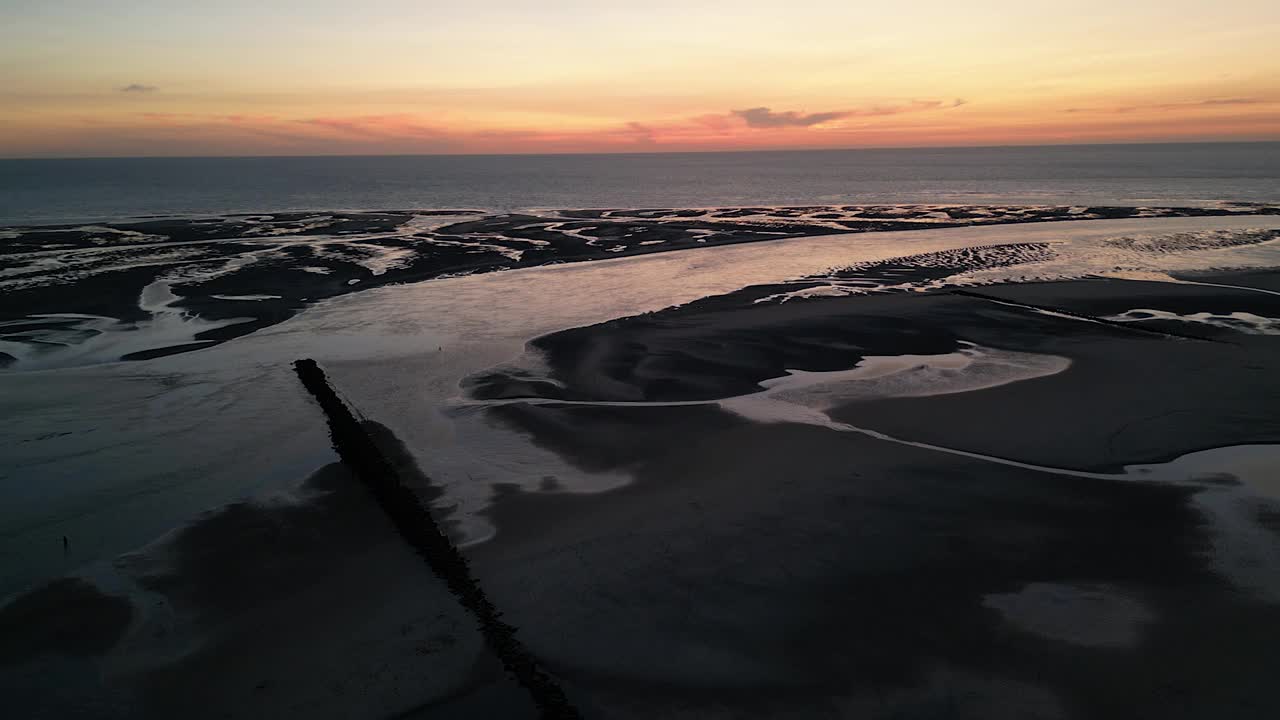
38,191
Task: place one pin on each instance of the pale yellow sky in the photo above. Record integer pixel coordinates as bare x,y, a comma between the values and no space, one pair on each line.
177,77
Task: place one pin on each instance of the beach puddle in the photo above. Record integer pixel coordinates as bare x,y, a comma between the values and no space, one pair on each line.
804,397
1244,322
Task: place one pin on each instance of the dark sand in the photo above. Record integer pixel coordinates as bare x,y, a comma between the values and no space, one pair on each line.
778,570
784,570
67,616
278,607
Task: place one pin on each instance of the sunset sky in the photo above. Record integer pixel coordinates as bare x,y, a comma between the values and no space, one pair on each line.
240,77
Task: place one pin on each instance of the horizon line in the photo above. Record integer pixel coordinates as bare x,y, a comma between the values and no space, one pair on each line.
645,152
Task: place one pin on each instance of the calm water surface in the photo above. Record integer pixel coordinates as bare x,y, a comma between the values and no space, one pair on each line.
34,191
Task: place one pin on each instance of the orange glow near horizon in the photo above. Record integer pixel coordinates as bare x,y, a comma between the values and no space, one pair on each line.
175,78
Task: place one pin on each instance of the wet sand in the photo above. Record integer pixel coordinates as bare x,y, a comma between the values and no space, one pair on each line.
303,605
754,569
763,570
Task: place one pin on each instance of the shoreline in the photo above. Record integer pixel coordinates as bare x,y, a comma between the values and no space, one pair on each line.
234,275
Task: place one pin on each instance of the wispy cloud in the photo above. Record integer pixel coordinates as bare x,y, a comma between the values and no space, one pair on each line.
401,125
138,88
763,117
1171,106
1232,101
411,132
642,133
928,122
913,106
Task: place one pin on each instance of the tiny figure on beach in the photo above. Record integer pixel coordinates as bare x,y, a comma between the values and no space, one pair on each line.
66,545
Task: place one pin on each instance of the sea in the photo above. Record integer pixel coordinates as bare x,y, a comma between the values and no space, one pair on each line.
41,191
